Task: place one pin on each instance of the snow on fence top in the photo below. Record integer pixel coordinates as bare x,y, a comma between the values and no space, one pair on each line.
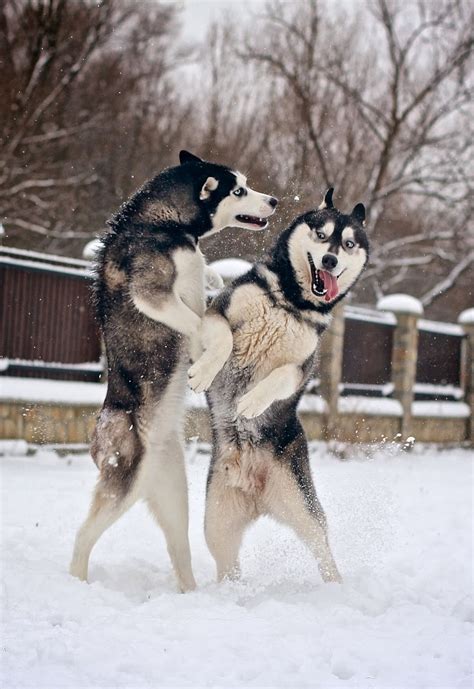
441,408
51,391
96,366
400,303
444,389
384,389
359,313
36,390
466,317
370,406
440,327
48,263
90,250
6,251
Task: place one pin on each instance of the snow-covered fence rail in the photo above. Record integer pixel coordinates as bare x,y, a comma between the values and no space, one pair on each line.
48,328
383,372
368,353
415,375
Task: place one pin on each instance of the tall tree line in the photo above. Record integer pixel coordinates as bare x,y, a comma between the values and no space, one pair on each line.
377,101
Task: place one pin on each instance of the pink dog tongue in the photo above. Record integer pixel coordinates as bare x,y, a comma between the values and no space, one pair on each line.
330,283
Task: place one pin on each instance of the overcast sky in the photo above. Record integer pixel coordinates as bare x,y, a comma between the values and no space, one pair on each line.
199,13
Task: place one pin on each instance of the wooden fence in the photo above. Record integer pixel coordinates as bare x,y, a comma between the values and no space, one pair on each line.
367,353
49,331
439,371
367,356
48,328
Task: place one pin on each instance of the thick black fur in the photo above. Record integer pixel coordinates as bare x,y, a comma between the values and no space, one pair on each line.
137,348
164,214
279,427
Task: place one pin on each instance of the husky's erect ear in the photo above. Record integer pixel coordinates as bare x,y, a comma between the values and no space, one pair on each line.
187,157
210,184
358,213
327,200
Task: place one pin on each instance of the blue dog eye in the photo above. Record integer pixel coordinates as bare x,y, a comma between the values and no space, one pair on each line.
238,192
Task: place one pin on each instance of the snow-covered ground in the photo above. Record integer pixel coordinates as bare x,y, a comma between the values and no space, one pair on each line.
401,529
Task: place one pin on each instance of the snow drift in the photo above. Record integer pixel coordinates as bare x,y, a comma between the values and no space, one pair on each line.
400,530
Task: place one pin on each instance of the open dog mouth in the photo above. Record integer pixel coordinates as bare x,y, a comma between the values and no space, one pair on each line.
252,220
323,284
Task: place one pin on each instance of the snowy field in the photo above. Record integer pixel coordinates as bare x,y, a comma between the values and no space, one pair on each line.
401,529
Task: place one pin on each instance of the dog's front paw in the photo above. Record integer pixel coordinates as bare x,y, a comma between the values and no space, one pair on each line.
252,404
200,375
195,348
213,279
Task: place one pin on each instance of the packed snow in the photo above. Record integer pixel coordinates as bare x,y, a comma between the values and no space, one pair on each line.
400,526
34,390
375,406
53,391
441,409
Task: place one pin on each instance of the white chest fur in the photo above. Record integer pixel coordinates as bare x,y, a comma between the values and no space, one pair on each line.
267,336
189,284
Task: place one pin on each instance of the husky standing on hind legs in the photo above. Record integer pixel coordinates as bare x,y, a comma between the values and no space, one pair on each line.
150,301
260,337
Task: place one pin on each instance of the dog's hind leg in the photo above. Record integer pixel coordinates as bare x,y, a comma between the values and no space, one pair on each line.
167,499
117,451
290,498
104,511
228,513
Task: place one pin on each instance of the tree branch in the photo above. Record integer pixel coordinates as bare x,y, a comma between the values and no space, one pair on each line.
448,282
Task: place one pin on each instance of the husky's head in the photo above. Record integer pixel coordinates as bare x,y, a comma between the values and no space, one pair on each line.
223,197
328,251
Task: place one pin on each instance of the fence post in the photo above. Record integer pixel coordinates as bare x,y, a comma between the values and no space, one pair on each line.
330,368
407,309
466,319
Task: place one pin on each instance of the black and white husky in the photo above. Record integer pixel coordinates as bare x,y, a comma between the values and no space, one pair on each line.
260,338
150,302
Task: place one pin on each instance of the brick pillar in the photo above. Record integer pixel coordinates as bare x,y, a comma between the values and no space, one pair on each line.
407,309
330,368
466,320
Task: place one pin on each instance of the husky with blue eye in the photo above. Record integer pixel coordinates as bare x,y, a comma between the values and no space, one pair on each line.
149,291
260,339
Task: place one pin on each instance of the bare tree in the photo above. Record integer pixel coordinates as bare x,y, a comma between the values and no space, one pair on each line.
390,124
377,103
230,124
85,85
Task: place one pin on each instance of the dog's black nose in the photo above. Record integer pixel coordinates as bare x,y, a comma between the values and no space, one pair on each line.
329,261
272,201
